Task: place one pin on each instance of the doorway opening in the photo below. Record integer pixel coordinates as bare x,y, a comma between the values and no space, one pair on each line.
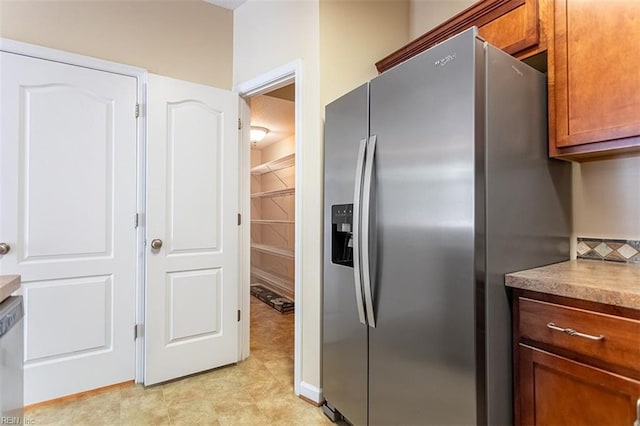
271,235
273,198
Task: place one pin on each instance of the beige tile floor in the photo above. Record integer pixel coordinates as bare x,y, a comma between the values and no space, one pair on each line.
257,391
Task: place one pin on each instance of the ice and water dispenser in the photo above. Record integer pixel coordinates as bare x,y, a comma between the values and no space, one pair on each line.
342,234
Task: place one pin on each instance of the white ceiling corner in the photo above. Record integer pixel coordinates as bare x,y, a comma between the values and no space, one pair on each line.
227,4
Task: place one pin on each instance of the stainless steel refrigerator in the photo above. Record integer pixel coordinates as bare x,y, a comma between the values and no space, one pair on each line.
437,183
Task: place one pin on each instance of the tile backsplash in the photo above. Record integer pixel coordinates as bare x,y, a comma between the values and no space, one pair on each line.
624,251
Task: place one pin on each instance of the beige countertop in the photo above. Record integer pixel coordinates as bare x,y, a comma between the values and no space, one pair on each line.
612,283
8,284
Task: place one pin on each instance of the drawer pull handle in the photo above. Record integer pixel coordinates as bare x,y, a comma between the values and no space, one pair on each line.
572,332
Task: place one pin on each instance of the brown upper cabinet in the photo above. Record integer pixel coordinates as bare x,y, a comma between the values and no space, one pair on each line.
593,63
594,79
516,26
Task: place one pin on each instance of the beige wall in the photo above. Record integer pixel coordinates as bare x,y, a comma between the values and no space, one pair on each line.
186,39
606,199
338,43
271,33
427,14
354,35
268,35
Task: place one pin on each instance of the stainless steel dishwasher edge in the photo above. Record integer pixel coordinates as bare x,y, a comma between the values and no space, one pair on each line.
11,358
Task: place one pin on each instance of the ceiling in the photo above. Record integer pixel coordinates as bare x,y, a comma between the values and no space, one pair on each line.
227,4
287,92
277,115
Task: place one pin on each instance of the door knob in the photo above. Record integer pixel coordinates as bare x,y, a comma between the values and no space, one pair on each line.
156,244
4,248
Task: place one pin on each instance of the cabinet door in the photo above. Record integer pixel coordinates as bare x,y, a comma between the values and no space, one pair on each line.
518,32
553,390
596,58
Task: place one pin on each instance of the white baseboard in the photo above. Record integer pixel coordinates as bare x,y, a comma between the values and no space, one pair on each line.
311,392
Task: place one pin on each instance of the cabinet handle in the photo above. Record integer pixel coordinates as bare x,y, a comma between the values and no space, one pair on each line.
572,332
637,422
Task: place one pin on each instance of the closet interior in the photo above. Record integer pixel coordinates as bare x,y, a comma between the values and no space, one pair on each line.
273,197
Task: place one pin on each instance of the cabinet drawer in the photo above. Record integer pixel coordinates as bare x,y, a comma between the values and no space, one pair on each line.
620,344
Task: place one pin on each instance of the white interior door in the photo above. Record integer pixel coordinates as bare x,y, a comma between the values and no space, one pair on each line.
67,204
192,201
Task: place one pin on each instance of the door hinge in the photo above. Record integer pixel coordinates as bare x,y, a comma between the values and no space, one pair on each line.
138,331
239,124
239,315
137,110
136,220
239,219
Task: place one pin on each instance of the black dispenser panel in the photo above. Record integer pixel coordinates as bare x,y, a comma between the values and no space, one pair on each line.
342,234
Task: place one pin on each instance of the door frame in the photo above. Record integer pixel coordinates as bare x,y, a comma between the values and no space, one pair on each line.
274,79
140,74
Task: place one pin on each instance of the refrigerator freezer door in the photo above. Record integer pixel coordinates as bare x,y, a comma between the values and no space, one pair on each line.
344,350
422,351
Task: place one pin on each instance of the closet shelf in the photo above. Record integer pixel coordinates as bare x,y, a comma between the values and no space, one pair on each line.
272,166
276,193
271,221
282,283
273,250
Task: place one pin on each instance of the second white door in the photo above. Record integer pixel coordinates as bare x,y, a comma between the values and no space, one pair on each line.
192,202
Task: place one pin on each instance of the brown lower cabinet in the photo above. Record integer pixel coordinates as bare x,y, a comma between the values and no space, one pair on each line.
575,363
555,390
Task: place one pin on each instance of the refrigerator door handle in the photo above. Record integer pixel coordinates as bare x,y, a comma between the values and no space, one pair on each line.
366,235
357,272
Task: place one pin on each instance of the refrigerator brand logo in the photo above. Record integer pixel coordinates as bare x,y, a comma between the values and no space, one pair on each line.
444,61
517,70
